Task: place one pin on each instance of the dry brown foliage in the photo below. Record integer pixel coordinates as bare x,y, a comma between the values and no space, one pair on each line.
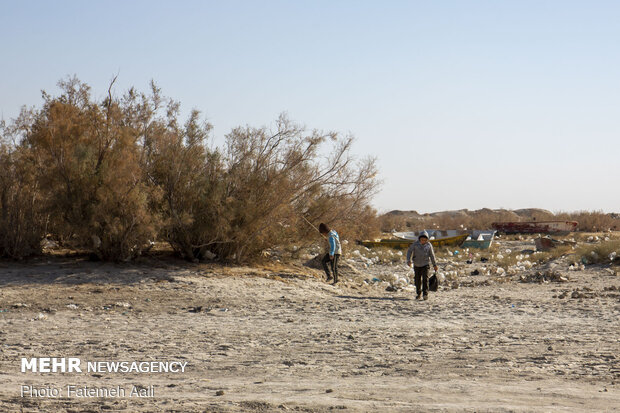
277,178
85,155
21,222
114,175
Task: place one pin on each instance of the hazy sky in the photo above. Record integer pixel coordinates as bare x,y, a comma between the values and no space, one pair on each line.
466,104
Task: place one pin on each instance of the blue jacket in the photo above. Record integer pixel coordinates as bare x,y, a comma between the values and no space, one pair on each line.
334,243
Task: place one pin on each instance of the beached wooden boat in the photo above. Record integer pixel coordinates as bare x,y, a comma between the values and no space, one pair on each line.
433,234
403,244
536,227
481,239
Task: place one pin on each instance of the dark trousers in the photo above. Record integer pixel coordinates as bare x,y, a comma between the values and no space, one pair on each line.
334,265
421,279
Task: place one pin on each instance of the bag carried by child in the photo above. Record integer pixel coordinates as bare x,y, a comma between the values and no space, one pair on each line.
433,282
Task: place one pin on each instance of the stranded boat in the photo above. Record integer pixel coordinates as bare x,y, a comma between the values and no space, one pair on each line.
536,227
481,239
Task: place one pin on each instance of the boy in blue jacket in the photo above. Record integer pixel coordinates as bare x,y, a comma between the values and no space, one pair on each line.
335,250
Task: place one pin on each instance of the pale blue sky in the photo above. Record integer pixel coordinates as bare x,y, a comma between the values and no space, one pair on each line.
466,104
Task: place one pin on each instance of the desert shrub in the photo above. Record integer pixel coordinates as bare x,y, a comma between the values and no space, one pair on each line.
22,223
191,179
111,176
277,178
257,192
87,160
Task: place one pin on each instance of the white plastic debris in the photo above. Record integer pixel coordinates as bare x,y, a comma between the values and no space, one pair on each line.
209,255
594,255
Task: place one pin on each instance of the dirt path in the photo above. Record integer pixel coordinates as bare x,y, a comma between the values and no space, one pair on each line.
279,341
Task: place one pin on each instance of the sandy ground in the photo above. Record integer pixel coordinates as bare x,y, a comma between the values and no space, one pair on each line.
280,339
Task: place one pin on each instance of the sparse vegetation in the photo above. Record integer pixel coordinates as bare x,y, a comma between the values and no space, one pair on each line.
603,252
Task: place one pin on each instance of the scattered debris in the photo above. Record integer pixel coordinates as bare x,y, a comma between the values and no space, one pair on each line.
40,316
201,309
208,255
584,292
544,277
122,305
48,244
20,305
547,243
